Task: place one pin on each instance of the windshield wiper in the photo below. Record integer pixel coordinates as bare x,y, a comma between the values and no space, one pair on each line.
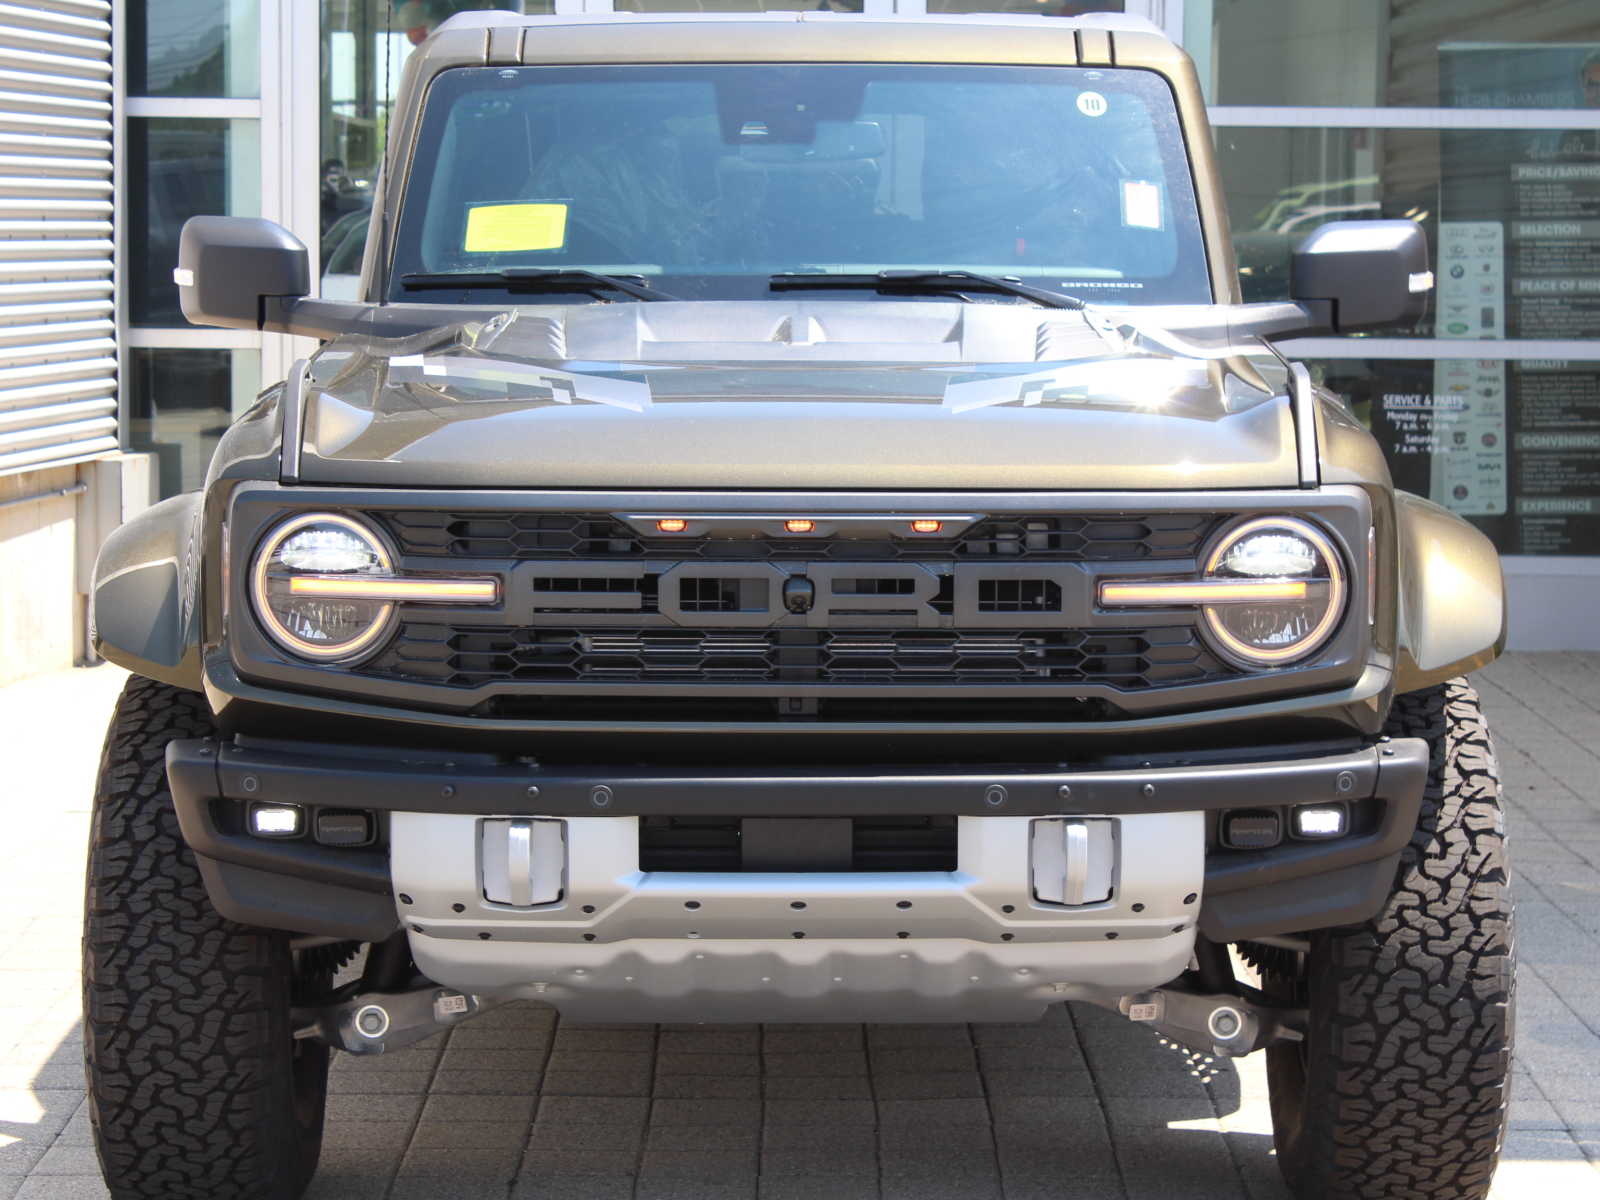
922,281
537,279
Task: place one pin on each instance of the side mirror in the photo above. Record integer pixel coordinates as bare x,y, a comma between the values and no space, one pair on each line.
1363,274
228,266
246,273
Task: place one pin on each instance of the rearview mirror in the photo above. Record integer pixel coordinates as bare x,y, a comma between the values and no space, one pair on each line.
1368,274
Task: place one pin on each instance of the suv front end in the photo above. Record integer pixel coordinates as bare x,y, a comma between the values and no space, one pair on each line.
833,757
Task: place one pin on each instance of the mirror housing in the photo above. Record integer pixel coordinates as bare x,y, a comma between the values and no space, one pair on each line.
1364,275
228,266
247,273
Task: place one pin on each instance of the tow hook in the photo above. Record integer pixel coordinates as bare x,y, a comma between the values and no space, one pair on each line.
1221,1024
374,1022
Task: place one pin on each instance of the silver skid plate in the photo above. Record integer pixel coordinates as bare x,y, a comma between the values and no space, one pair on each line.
968,944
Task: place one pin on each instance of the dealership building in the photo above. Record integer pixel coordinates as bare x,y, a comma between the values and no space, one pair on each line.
1478,118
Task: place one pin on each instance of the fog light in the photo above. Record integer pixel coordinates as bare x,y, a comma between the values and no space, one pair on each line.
1251,829
276,820
1319,820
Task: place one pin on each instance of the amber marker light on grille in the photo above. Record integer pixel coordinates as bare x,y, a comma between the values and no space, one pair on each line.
799,525
421,591
926,526
1216,591
671,525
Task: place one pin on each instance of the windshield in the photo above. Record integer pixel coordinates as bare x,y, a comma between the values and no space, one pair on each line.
710,180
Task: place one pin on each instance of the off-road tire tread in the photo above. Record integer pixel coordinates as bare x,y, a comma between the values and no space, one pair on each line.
185,1013
1410,1063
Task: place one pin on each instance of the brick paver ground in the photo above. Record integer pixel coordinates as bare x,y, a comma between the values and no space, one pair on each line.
516,1105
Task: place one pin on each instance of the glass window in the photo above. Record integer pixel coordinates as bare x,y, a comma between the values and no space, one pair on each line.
1282,183
364,45
1037,8
1374,53
179,168
194,48
1513,216
714,178
735,5
1513,446
343,246
179,403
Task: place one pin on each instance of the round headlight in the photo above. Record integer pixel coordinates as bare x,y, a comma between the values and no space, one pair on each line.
1272,633
320,627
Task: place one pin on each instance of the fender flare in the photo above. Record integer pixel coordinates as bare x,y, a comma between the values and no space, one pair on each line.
1452,616
145,603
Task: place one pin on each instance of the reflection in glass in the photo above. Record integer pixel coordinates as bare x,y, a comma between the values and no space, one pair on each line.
1369,54
179,403
342,248
1283,183
1512,446
1510,214
365,43
193,48
179,168
716,178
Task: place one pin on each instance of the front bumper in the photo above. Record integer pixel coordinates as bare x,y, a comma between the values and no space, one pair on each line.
423,863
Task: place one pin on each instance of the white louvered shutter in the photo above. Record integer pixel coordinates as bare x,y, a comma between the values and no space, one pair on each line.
58,381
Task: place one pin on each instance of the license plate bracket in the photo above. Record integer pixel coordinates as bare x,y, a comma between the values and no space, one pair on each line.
796,843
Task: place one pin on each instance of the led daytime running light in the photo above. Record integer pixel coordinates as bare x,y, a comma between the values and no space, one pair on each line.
421,591
1209,591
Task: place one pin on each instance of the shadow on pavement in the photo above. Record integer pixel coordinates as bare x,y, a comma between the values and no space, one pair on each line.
1081,1104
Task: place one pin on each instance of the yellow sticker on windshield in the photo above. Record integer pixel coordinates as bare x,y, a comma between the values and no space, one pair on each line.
492,228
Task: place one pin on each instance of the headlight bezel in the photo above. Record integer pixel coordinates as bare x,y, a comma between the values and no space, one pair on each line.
344,653
1241,654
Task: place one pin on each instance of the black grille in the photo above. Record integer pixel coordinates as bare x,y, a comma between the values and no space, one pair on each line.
471,657
1044,537
877,844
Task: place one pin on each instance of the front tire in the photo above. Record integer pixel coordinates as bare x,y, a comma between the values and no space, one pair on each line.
196,1087
1400,1088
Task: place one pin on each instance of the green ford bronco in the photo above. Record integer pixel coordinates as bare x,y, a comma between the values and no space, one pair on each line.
799,526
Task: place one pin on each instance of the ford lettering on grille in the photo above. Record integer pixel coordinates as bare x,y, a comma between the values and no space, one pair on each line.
818,595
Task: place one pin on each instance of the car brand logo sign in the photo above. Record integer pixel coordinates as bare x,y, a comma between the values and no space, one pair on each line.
733,595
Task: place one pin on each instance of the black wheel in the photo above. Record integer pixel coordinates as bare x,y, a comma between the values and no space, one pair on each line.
196,1086
1399,1090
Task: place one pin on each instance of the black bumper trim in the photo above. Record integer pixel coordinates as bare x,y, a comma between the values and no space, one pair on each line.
310,888
393,784
274,900
1345,896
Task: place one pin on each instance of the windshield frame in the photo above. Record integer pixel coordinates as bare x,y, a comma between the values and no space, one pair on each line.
1191,281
